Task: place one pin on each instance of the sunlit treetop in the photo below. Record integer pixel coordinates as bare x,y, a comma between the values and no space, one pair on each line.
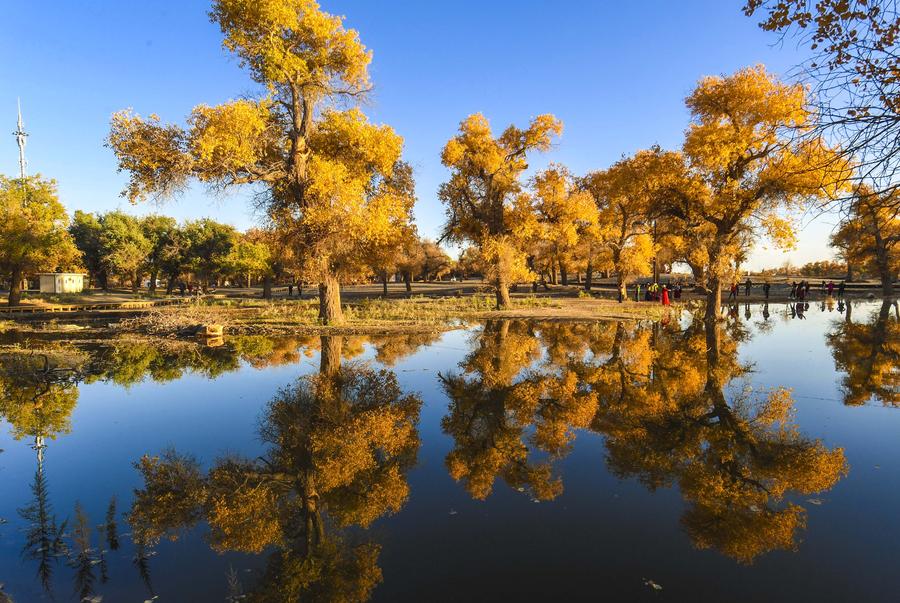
287,43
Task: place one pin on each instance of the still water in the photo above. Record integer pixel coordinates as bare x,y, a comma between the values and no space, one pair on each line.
758,459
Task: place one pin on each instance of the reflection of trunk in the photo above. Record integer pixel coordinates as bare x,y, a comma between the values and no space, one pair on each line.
267,287
502,294
330,301
588,276
330,356
15,287
713,299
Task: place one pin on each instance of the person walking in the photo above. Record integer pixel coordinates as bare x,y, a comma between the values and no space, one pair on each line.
290,289
806,288
841,287
747,286
732,294
793,289
665,296
766,288
637,292
830,288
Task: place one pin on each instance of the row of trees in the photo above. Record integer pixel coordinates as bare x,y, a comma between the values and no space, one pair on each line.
740,172
36,234
133,248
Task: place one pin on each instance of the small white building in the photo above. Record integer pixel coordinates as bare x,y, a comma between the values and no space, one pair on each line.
62,282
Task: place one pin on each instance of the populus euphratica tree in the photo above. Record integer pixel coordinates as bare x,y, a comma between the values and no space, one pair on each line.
321,171
485,189
33,231
746,167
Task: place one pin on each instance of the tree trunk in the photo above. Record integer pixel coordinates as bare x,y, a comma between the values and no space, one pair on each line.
170,283
267,287
384,281
248,280
330,312
849,272
407,279
553,273
563,274
713,299
15,287
588,276
502,294
153,276
104,280
135,282
623,288
330,355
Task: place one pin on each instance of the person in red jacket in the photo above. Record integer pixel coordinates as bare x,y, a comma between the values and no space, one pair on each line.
665,296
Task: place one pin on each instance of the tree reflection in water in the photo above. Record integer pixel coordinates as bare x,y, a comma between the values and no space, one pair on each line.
340,445
868,353
491,413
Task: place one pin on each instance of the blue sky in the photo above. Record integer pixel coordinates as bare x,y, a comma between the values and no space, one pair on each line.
616,73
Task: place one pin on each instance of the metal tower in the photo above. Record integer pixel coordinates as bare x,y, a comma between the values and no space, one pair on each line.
20,135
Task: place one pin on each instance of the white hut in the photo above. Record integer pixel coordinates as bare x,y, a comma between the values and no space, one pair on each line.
62,282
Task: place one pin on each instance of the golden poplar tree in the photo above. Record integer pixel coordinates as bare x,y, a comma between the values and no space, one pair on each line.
745,167
484,189
326,174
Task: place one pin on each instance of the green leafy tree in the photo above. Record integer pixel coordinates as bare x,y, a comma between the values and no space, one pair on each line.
124,246
33,231
85,230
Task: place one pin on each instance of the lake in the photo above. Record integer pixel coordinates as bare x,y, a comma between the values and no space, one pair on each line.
757,459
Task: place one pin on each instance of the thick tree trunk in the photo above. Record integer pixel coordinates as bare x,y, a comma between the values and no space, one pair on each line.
553,274
153,276
267,287
104,280
135,282
563,274
502,294
248,280
330,355
330,312
713,299
623,288
384,281
407,280
170,283
15,287
588,276
849,272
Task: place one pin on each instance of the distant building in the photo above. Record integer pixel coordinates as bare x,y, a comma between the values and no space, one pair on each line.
62,282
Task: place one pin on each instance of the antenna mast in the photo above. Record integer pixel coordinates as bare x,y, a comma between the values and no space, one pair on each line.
20,135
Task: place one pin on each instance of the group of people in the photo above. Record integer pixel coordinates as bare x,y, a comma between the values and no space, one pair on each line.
657,292
800,290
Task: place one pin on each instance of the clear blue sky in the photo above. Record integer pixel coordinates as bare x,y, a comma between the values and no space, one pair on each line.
616,73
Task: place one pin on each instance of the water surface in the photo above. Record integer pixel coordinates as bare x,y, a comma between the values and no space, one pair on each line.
752,460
